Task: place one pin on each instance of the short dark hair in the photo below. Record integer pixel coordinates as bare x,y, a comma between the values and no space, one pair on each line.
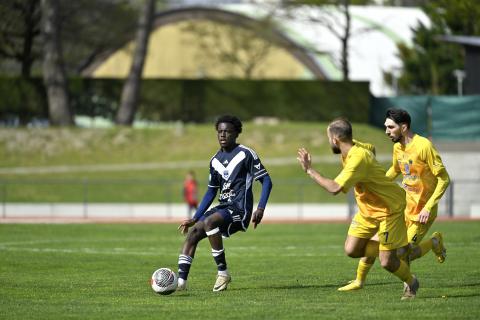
399,116
237,124
341,128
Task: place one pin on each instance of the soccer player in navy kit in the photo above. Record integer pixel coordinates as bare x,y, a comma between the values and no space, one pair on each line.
232,171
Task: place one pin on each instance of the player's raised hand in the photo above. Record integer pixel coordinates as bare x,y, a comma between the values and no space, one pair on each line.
305,159
257,217
185,225
423,216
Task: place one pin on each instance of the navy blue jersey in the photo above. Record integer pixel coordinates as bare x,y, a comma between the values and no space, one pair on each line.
233,172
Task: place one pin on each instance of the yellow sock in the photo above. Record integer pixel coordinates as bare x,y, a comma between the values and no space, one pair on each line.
403,272
371,249
362,271
425,247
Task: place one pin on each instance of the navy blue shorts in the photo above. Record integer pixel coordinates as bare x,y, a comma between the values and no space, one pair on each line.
234,219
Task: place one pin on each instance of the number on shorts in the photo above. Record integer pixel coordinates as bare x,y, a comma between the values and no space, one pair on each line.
414,239
385,234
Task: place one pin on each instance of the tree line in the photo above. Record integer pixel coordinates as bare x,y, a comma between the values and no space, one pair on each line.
66,37
56,39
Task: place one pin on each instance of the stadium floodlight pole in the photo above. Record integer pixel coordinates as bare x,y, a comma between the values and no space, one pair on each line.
460,75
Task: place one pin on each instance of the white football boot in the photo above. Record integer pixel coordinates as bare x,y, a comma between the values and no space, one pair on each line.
182,285
222,282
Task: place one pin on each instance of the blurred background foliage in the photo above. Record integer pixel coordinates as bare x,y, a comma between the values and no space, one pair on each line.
196,100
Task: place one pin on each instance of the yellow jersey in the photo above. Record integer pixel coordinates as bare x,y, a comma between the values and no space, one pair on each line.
376,195
425,178
365,145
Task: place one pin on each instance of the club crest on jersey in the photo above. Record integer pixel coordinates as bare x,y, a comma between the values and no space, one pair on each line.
407,168
225,174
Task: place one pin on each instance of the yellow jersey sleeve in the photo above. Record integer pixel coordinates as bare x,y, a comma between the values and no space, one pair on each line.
394,170
392,173
435,164
354,170
432,158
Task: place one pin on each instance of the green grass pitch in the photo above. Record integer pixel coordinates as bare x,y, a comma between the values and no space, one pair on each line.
280,271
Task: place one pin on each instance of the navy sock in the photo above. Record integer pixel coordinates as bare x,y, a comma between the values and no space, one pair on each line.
184,264
219,257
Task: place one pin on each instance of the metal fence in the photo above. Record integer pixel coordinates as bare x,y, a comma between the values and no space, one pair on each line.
446,204
299,194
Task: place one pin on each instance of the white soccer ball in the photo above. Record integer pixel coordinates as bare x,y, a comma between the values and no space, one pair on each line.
164,281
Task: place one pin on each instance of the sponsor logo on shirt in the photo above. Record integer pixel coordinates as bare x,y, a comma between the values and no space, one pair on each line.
227,193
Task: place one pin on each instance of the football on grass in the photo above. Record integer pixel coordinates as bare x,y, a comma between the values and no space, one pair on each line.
164,281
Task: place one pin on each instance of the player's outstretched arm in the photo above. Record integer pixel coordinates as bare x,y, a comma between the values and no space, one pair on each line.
436,166
204,205
266,189
305,160
443,180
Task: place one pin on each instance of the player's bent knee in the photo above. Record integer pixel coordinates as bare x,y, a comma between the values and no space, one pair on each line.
389,261
196,234
209,225
212,222
355,247
349,253
353,252
385,263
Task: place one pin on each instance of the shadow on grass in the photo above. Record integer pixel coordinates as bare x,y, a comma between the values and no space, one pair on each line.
456,295
475,284
451,296
176,295
307,286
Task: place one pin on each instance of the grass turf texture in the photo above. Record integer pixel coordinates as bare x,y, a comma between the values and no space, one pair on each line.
102,271
76,146
174,144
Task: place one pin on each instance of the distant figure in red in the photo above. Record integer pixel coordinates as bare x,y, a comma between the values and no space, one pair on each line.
190,192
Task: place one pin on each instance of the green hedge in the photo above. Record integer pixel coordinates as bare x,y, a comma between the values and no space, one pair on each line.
196,100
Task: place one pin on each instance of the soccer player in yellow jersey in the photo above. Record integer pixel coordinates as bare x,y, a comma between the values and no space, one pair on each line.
425,180
381,203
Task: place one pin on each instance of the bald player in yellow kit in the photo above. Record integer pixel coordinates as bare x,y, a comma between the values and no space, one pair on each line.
381,203
425,180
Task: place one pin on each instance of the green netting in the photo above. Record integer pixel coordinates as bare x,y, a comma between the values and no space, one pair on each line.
416,106
456,118
439,117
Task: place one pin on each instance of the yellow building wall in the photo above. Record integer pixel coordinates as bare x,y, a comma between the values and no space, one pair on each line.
206,49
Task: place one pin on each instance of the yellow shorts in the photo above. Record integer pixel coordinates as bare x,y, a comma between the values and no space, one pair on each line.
391,230
416,231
